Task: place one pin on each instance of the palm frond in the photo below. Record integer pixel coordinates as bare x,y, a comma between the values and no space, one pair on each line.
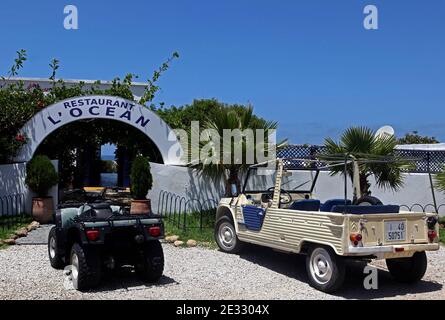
439,180
374,154
357,140
243,121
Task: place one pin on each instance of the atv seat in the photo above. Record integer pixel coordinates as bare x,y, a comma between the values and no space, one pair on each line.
98,210
366,209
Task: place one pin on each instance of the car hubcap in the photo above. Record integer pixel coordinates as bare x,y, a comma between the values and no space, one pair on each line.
75,267
226,235
52,247
321,266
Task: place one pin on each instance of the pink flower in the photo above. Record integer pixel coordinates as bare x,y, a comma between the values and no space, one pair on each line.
20,138
33,86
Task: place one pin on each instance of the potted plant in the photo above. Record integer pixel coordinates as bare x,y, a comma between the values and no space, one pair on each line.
141,182
40,177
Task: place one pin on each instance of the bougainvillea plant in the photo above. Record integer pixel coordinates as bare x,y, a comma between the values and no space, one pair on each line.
19,103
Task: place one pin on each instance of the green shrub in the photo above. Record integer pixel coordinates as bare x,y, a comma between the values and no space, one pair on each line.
40,175
108,166
141,179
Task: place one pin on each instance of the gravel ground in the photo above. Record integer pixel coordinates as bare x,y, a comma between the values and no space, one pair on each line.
199,273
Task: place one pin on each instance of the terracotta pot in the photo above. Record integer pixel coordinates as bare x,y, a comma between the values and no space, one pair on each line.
43,209
140,206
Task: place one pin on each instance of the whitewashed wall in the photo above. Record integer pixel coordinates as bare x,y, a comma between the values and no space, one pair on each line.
184,182
189,184
12,181
416,190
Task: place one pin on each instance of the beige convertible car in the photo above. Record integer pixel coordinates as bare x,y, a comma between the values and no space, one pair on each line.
277,209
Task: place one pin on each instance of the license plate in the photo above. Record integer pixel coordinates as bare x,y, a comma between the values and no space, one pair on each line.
395,230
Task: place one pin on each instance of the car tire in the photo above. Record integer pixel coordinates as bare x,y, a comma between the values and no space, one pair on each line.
225,236
325,269
150,264
85,267
408,270
368,201
55,259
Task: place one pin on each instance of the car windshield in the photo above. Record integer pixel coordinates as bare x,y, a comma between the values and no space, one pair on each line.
298,181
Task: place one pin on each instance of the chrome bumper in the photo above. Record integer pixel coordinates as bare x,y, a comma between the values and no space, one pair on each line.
391,249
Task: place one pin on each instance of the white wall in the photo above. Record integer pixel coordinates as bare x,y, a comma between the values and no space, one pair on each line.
189,184
416,190
184,182
12,181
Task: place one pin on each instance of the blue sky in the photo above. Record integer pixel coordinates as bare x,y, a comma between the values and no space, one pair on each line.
308,64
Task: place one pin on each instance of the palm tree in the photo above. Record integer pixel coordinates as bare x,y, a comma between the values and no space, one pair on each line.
374,155
234,118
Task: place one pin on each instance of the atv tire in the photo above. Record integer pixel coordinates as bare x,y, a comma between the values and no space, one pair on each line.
85,267
55,258
150,264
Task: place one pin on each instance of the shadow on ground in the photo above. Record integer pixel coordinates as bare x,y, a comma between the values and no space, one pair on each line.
294,266
125,278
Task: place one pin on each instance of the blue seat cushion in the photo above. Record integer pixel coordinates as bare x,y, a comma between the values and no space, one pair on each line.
253,217
327,206
366,209
305,205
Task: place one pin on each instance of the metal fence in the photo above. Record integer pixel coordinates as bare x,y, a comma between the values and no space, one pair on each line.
186,213
435,160
12,208
417,207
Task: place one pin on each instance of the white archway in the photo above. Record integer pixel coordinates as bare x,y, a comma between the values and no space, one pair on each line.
100,107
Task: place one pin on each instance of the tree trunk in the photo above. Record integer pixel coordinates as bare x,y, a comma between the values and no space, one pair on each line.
364,185
233,179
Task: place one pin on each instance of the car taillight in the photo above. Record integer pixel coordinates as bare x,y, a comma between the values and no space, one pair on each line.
355,238
432,234
154,231
93,235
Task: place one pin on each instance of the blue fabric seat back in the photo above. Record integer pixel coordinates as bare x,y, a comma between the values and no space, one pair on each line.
366,209
327,206
305,205
253,217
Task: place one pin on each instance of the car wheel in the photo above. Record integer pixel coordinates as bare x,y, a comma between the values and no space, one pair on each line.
368,201
151,263
225,236
408,270
85,267
54,258
326,270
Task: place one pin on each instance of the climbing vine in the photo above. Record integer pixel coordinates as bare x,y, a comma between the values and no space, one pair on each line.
19,103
